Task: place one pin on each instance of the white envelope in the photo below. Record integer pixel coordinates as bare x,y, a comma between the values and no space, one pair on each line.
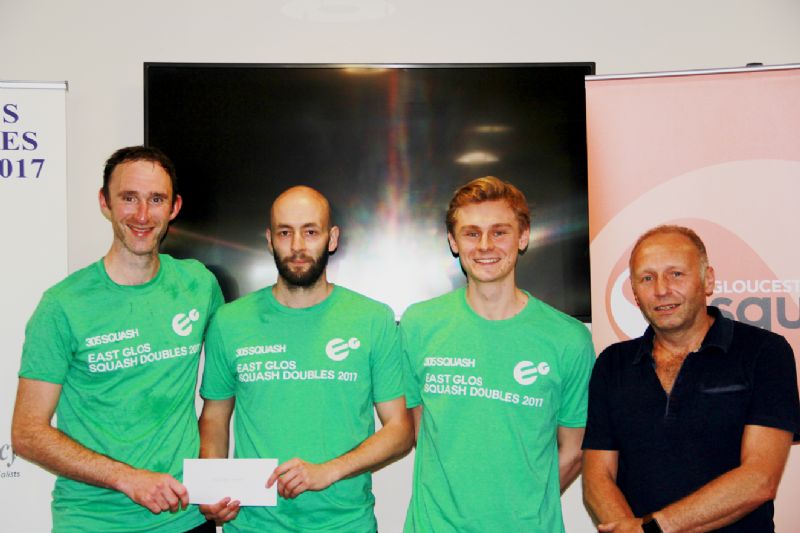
210,480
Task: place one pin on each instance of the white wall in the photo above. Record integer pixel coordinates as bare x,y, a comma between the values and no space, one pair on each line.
99,46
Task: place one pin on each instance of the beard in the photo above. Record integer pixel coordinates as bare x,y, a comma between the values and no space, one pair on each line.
303,278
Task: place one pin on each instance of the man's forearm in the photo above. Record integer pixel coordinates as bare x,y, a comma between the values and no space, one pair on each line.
389,443
213,440
723,501
393,440
214,427
569,467
58,453
34,438
569,454
603,499
736,493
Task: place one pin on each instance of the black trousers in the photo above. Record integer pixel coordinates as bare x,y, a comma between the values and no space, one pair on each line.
208,527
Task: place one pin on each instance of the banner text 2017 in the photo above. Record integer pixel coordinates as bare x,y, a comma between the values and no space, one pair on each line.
15,145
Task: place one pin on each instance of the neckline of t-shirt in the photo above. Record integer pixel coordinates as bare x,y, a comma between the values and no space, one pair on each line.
503,321
144,287
305,311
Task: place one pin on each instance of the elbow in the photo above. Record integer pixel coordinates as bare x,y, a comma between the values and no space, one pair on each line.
403,437
766,489
22,440
408,441
571,461
577,458
763,487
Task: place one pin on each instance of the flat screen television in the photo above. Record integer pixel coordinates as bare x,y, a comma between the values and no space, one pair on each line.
388,145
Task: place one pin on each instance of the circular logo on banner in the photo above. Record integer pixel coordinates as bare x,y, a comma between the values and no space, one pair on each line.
626,318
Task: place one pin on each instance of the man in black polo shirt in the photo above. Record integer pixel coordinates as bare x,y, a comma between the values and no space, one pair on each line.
690,425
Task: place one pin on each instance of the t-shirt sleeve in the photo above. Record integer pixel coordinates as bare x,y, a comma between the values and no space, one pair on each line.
774,402
599,434
578,364
387,372
217,299
411,382
218,378
49,346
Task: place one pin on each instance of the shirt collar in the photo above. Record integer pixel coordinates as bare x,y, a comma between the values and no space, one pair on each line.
719,335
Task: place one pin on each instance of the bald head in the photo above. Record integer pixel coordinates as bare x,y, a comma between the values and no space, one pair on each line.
301,200
680,231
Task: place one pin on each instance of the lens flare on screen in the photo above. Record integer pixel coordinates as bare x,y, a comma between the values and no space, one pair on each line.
404,258
399,268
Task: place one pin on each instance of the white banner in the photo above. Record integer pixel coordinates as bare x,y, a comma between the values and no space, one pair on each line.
33,218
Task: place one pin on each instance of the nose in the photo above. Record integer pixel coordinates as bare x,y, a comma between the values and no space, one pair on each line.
298,243
485,243
661,286
142,212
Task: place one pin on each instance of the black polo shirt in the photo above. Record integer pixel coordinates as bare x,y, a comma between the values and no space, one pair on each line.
671,445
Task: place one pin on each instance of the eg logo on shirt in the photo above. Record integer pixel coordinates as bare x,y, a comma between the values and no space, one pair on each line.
527,372
182,324
337,349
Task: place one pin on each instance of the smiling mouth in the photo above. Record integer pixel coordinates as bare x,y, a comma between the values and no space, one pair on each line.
490,261
668,307
140,232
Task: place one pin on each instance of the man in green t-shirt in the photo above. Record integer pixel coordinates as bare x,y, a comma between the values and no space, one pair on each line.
497,383
303,362
113,350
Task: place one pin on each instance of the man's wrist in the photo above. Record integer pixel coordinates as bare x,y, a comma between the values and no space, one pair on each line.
336,470
120,477
650,524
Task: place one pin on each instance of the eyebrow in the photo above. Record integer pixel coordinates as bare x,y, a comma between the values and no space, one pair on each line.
138,193
306,225
493,226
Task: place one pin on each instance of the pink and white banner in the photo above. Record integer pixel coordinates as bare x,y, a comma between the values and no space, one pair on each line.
718,151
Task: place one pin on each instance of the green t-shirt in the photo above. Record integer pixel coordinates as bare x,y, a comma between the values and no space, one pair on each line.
305,381
492,394
127,360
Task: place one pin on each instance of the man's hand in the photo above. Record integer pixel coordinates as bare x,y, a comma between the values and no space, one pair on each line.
223,511
623,525
157,492
296,476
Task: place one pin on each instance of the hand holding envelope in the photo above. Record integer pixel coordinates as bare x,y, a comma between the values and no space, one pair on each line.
209,481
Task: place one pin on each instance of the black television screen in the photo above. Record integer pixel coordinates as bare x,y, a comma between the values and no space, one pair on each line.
387,144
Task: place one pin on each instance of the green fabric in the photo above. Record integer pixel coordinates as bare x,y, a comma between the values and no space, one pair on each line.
128,382
294,400
487,456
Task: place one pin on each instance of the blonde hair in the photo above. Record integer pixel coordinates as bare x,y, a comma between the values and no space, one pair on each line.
489,189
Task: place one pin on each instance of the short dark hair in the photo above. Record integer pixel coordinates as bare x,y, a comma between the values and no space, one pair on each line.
140,153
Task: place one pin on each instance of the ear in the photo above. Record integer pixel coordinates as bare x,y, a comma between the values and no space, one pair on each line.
104,208
524,240
633,289
453,244
269,241
176,206
333,239
710,281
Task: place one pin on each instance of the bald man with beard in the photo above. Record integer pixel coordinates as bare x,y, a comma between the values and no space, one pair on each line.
300,365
